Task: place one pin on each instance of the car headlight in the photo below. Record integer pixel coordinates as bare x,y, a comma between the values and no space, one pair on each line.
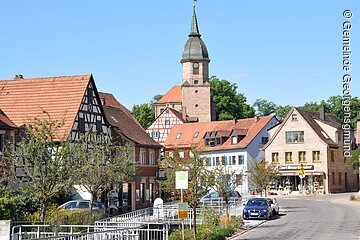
265,210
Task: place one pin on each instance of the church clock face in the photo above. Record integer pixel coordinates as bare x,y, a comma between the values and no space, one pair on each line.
196,65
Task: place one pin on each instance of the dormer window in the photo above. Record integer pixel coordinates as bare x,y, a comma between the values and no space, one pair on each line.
234,140
196,134
178,135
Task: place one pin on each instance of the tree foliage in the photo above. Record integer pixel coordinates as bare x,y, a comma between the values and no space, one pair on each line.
335,105
228,102
354,160
99,164
282,111
200,178
225,183
264,107
262,175
144,113
44,161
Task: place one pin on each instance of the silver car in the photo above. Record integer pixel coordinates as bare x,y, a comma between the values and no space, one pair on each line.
274,205
81,204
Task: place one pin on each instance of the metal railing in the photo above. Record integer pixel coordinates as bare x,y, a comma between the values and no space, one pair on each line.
75,232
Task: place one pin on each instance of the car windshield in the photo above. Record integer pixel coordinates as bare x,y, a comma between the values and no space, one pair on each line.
257,202
270,201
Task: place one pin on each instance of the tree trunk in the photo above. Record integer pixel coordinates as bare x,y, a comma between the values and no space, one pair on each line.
44,205
194,220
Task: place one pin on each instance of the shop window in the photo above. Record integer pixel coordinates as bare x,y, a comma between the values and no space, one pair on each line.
295,137
302,156
316,156
288,157
275,157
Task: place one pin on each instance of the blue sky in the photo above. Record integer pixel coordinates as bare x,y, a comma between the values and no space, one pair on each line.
289,52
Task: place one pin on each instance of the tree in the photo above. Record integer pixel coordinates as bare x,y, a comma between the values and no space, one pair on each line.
228,103
99,164
264,107
200,179
262,175
311,106
44,160
282,111
144,113
354,160
225,183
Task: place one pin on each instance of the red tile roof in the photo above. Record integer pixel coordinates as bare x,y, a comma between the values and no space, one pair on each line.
22,100
249,126
5,122
121,118
174,95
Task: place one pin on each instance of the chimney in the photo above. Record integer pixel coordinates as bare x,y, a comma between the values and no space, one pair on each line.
234,121
18,76
322,112
257,118
183,112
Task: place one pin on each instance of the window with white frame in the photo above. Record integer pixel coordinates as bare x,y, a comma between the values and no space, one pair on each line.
152,158
181,154
142,157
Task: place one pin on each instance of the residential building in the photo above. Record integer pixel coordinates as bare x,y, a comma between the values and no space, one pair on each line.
76,101
313,142
7,133
142,190
232,143
192,98
160,128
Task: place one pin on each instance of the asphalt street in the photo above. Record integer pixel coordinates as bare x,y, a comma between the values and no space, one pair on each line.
310,217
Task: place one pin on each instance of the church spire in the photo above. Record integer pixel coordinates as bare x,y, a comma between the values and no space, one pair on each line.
194,32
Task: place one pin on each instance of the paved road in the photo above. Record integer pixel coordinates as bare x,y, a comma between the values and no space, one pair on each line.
311,217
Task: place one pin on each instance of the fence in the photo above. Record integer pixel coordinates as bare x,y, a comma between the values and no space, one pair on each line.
76,232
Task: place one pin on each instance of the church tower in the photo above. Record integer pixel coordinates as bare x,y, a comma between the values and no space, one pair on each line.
196,100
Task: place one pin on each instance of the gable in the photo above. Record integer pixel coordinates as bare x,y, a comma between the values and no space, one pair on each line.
293,124
90,115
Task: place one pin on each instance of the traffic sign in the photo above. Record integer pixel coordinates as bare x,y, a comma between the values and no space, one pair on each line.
183,212
181,179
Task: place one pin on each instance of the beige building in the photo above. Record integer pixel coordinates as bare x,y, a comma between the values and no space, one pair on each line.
312,142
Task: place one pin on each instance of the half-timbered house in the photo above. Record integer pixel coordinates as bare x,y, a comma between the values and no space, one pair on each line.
141,191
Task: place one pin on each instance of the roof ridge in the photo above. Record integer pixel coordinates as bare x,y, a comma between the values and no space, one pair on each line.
49,77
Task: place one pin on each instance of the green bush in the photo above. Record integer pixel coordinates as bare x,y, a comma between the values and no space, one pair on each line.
209,231
10,208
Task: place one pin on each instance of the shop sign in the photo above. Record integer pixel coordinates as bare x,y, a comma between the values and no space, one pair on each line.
295,167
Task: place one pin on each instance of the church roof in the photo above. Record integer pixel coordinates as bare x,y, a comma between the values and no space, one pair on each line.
174,95
59,98
195,48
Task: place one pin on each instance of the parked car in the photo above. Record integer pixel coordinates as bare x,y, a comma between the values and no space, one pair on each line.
257,208
81,204
274,205
214,196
